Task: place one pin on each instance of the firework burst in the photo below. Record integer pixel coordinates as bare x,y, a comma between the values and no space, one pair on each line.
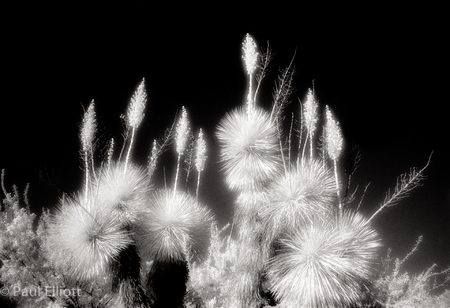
175,227
302,193
124,194
249,148
86,237
322,264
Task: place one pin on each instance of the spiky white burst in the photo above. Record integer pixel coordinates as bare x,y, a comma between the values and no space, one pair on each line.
334,141
135,112
123,193
322,264
249,148
182,131
174,227
301,194
86,237
88,128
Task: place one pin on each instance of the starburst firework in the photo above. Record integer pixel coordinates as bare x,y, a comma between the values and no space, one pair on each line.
297,196
123,193
249,148
174,225
322,264
86,236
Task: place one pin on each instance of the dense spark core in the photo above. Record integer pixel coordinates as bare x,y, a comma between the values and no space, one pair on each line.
323,263
174,227
86,237
124,194
249,148
298,196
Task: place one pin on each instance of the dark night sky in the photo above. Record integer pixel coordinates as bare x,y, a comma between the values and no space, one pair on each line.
383,70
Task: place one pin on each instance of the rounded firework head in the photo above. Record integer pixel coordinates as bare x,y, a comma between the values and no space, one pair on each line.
323,263
123,193
86,237
302,193
250,150
174,227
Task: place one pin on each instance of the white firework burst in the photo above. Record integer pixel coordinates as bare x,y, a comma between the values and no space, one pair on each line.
86,237
174,227
249,148
322,264
297,196
123,193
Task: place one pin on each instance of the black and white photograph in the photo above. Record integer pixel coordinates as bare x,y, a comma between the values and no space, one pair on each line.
219,155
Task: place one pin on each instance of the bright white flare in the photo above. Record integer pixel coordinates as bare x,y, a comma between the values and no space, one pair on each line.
323,263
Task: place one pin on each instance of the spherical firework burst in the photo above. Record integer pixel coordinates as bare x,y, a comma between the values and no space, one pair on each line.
174,225
123,192
249,148
322,264
300,194
86,237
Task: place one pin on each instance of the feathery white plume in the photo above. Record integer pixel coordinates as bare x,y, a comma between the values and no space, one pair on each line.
181,137
310,117
87,135
333,135
334,143
110,153
88,128
135,112
250,55
200,157
181,133
153,159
